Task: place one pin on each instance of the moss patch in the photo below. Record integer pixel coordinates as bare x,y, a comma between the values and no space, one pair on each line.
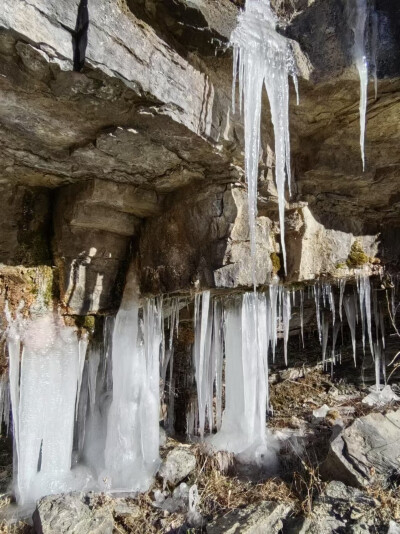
357,256
276,263
87,322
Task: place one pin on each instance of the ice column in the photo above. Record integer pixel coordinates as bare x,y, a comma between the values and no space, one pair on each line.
131,451
263,57
43,406
243,429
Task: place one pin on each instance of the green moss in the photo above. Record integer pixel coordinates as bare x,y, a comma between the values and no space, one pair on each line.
276,263
357,256
340,266
87,322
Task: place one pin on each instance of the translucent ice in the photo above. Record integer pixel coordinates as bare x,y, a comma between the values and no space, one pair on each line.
262,56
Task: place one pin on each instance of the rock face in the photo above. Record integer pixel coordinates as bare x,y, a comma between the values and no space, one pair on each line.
266,517
365,451
146,135
67,514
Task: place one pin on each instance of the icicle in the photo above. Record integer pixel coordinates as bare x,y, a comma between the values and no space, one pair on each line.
218,350
93,366
202,346
302,315
131,450
82,348
364,291
342,285
325,333
243,422
358,25
273,292
286,316
350,307
331,299
377,367
317,310
43,407
263,56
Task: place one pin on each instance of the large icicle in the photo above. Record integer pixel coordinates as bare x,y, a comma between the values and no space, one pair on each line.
202,347
358,19
243,429
131,451
49,374
263,57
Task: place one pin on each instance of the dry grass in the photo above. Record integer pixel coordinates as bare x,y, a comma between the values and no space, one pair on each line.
389,501
297,398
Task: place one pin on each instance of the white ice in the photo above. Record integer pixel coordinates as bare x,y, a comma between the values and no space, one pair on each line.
358,19
132,442
262,56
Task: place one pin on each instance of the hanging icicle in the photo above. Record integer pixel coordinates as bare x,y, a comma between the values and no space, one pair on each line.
262,56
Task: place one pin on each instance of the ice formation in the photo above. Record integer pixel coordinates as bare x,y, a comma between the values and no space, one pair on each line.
107,436
358,20
247,344
44,373
263,57
131,449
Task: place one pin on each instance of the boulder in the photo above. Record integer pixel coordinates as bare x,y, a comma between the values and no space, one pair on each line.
255,519
178,464
71,514
365,451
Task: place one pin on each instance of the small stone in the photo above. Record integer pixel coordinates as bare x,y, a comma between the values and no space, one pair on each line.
178,464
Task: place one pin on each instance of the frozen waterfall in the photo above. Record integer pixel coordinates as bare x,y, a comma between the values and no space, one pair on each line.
85,418
263,57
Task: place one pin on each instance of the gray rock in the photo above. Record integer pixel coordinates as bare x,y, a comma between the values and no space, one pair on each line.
124,508
263,518
366,450
394,528
339,509
178,464
69,514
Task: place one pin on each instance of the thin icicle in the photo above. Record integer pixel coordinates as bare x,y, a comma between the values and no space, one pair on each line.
286,316
350,307
262,56
317,310
342,286
302,315
325,332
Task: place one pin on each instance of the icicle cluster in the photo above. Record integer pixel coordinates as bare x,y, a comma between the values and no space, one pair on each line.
226,329
263,57
85,418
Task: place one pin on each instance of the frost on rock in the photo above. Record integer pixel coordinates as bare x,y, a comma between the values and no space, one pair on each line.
263,57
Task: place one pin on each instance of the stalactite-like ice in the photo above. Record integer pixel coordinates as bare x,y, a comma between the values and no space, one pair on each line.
358,19
131,450
350,307
262,56
243,429
43,405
